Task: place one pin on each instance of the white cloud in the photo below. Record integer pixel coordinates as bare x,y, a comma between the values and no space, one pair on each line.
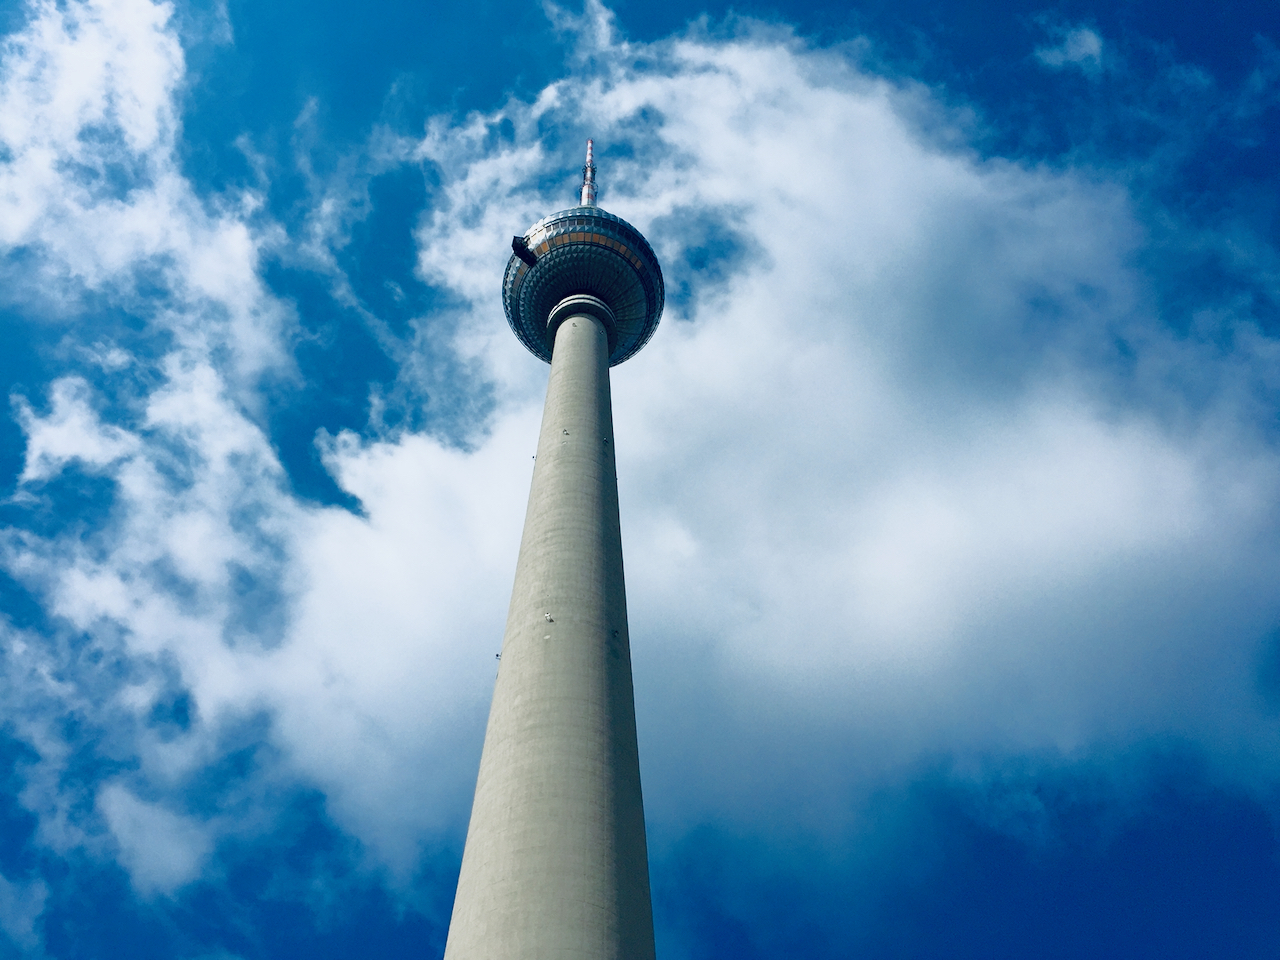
20,907
161,850
890,477
71,431
174,575
90,186
1079,47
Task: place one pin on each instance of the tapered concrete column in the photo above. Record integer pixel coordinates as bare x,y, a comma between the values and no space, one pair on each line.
555,866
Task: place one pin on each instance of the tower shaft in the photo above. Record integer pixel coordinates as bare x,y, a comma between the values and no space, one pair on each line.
555,865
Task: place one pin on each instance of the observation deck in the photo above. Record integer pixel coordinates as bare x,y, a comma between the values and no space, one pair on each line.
584,250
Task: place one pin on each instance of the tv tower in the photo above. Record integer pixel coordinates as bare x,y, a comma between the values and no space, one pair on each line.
555,865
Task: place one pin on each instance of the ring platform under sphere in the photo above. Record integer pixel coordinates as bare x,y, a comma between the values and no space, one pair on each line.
584,250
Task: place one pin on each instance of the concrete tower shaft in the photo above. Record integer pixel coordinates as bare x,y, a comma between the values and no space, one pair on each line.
555,865
555,862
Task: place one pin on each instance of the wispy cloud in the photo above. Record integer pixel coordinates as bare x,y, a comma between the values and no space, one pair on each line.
1078,47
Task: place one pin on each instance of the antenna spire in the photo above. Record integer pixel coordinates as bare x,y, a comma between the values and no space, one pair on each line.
589,178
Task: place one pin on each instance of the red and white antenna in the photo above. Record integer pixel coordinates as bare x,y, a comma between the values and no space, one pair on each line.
589,178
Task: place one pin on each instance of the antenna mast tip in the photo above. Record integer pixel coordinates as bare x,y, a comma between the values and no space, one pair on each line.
589,177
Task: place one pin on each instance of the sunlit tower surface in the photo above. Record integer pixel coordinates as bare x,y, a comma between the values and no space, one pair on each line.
555,865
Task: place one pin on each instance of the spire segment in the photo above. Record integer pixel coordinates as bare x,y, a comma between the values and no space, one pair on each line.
589,178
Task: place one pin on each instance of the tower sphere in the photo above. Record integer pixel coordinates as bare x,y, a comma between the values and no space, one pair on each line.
583,251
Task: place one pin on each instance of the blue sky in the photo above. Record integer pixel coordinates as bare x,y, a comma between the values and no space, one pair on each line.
949,482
